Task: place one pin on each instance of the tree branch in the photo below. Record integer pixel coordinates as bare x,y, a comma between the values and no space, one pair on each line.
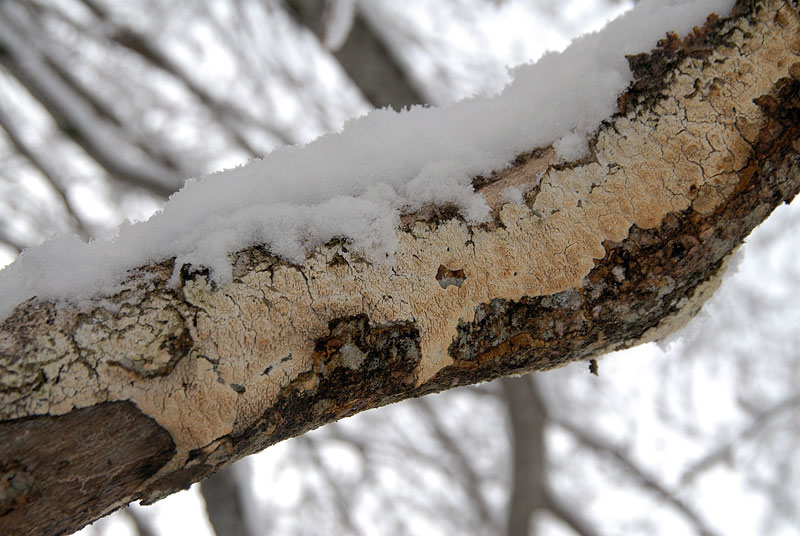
617,249
725,451
464,472
640,475
568,515
10,241
53,176
341,502
141,524
224,113
73,115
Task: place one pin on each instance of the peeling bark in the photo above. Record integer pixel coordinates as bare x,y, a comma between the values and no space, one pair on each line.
56,472
169,385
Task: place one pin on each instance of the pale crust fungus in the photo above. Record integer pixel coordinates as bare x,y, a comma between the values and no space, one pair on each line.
207,362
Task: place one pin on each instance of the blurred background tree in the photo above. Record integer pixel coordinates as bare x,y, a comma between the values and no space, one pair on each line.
107,106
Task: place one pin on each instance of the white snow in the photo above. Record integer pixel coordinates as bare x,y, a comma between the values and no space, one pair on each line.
572,146
513,194
355,183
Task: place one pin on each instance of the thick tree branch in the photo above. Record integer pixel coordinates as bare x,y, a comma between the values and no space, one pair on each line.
605,253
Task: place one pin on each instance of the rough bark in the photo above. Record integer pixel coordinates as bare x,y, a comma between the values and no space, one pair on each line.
159,387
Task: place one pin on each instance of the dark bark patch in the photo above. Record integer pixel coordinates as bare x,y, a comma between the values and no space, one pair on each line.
146,366
431,214
83,462
253,259
357,366
651,70
17,486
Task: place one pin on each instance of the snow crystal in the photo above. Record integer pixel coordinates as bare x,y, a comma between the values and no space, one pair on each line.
513,194
355,183
572,146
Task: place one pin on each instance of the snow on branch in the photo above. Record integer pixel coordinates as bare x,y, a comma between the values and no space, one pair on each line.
355,184
408,254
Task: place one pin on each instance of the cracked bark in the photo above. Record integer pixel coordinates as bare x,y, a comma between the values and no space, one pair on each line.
158,387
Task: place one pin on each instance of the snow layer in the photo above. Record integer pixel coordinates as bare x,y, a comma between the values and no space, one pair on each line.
356,182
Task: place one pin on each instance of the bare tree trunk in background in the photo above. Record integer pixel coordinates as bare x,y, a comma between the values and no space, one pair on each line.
531,490
223,497
364,57
140,523
527,419
128,404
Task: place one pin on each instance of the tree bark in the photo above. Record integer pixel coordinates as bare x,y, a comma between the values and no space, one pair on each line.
160,387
